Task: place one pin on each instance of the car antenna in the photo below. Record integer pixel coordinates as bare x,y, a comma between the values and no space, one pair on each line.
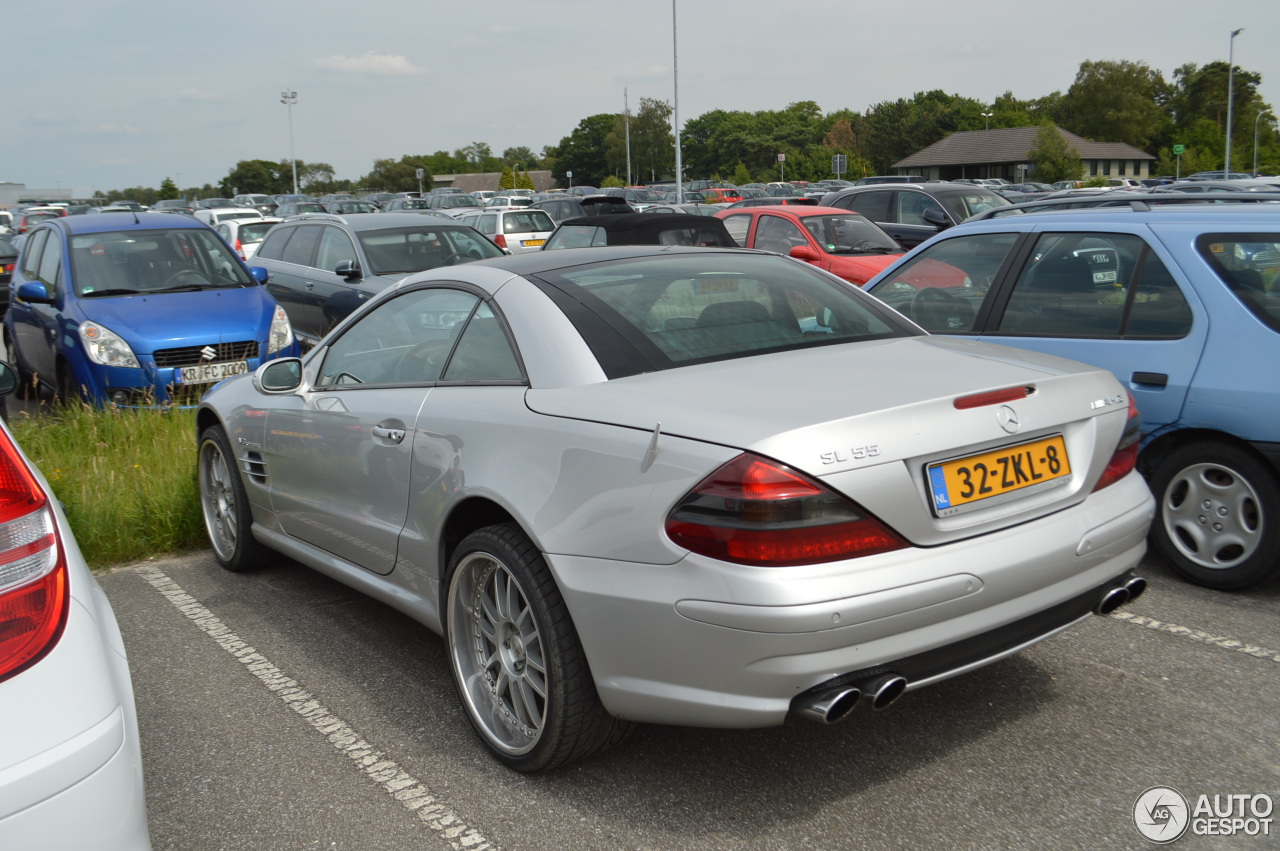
652,452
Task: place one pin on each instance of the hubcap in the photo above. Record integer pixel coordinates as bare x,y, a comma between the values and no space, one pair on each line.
1213,516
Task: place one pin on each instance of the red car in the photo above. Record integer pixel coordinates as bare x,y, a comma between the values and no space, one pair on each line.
843,243
719,195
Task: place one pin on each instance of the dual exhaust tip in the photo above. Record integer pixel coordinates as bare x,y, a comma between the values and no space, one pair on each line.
833,705
1127,591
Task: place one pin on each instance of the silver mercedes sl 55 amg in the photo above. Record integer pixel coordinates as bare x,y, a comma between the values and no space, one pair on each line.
684,486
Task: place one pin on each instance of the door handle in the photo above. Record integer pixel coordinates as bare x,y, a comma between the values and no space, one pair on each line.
395,435
1157,379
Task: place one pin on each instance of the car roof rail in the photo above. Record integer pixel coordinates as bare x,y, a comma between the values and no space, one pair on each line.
316,217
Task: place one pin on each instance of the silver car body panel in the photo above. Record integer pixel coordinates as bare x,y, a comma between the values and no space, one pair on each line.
590,468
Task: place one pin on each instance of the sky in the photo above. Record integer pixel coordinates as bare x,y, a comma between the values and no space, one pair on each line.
107,95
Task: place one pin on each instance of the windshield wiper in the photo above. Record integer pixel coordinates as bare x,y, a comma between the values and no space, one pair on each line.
113,291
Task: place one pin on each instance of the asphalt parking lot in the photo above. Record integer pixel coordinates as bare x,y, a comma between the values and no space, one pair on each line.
282,710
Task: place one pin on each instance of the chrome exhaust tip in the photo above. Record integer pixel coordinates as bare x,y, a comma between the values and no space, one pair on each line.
1112,600
1135,586
880,692
828,707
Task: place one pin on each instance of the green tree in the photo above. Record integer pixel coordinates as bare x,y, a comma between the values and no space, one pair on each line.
610,181
258,177
508,178
1052,157
1117,101
583,152
391,176
168,191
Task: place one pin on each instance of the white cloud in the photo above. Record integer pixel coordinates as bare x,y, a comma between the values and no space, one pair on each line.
196,94
371,63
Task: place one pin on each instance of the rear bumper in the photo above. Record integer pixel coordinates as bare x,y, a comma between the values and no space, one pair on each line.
706,643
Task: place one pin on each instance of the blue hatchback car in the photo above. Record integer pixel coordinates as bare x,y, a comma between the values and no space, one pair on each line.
137,310
1182,304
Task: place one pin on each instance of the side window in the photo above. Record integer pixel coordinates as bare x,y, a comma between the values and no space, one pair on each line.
873,205
483,353
302,246
1076,285
1159,308
273,246
778,234
942,288
404,340
738,226
335,247
51,262
488,223
911,207
31,254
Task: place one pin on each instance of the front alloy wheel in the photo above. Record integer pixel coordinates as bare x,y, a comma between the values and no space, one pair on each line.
225,504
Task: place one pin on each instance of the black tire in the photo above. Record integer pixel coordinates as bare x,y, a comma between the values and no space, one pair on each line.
28,387
515,657
225,504
1217,515
69,390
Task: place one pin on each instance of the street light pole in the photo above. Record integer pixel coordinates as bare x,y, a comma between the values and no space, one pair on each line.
1231,69
987,116
1255,141
675,108
289,98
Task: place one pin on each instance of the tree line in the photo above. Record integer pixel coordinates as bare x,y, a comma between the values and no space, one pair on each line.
1109,101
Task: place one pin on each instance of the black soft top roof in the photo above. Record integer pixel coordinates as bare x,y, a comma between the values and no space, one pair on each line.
647,228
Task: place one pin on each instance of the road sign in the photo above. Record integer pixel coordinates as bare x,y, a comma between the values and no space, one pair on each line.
1179,150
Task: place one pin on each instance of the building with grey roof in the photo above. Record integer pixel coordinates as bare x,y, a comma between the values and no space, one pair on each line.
1004,153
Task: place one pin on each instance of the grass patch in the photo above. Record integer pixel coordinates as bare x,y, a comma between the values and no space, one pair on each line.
126,479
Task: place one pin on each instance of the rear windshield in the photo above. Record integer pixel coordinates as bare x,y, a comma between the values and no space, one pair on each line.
665,312
965,204
527,221
415,249
254,231
1249,264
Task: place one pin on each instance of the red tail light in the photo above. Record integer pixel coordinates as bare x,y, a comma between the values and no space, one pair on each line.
34,596
1125,458
239,248
500,241
758,512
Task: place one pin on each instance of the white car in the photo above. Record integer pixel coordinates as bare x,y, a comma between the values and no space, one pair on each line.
244,235
70,763
517,231
213,215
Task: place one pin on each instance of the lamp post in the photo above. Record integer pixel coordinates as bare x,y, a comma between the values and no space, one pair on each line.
987,116
1231,69
1255,141
675,105
289,98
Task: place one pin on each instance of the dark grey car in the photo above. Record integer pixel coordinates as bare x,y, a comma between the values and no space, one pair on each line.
324,266
913,212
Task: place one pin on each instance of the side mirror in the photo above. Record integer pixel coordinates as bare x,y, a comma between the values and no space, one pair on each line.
348,269
279,376
937,218
803,252
34,293
259,274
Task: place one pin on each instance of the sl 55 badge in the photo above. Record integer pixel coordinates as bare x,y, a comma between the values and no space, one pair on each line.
853,453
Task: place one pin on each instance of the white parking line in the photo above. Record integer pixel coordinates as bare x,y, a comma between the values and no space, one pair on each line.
407,790
1223,641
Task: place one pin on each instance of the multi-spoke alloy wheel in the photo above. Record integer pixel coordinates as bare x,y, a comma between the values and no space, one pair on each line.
515,657
225,505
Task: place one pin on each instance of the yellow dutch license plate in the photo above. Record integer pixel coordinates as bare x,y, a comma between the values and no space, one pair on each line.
960,482
532,243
